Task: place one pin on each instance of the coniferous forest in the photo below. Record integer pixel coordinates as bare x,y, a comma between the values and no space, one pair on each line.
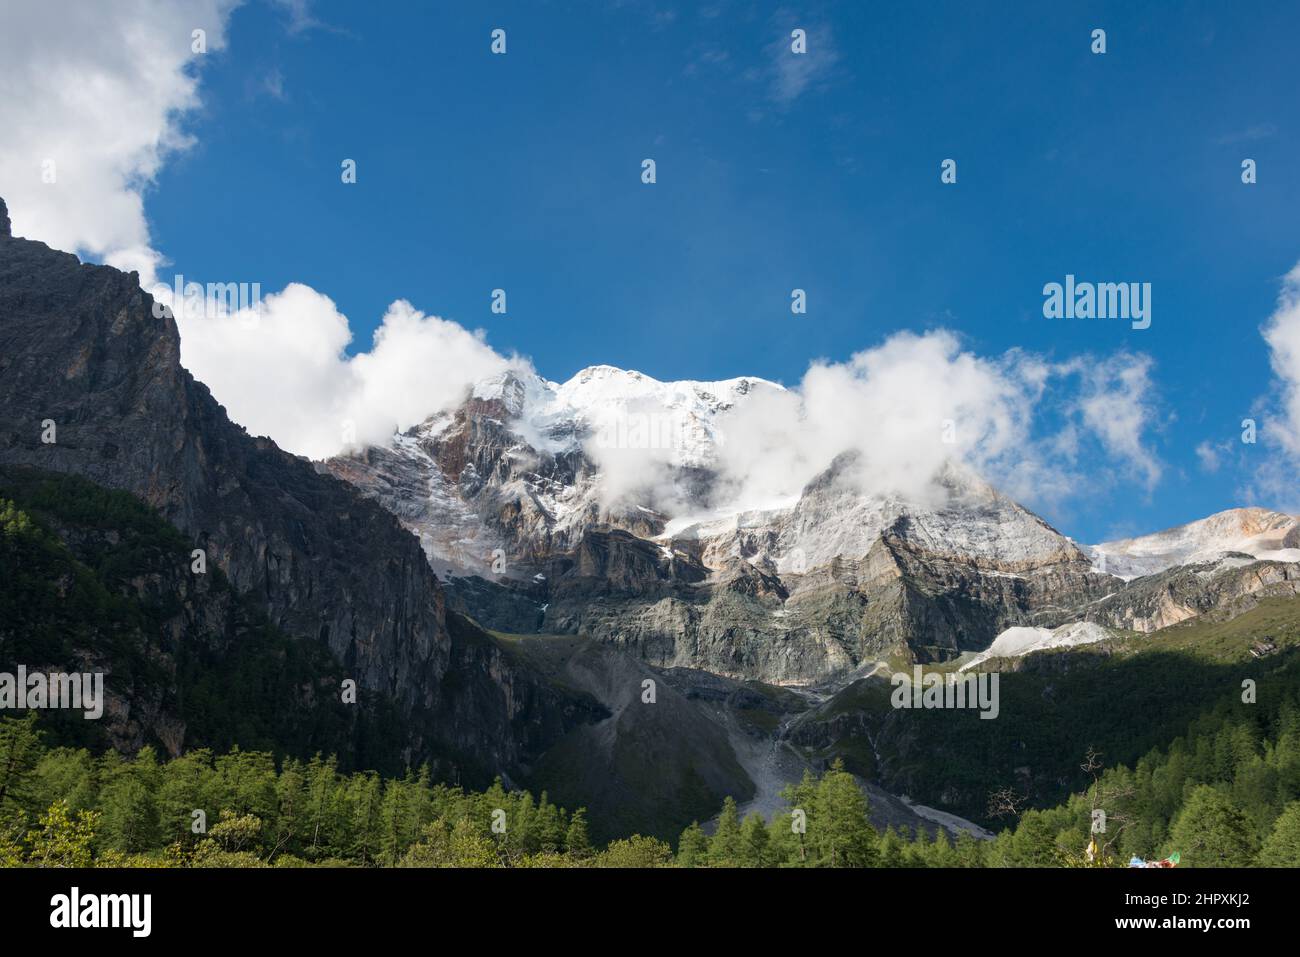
1218,797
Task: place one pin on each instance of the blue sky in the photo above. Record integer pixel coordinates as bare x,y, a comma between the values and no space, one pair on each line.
522,172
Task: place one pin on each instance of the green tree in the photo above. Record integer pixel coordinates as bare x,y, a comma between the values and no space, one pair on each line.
637,852
1032,844
577,843
363,796
968,851
130,813
326,817
693,847
754,841
1282,848
724,847
1211,831
291,810
891,849
20,750
548,826
63,840
187,786
840,831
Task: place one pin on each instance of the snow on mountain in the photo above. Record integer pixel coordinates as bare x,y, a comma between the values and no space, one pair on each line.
1258,532
834,517
618,408
618,428
1019,641
605,421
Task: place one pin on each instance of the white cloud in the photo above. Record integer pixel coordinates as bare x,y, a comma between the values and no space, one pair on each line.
1274,481
1116,405
894,405
1210,455
792,74
98,91
1041,431
1282,333
285,374
102,89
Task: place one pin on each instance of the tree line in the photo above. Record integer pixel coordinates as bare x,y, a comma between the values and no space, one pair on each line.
1223,795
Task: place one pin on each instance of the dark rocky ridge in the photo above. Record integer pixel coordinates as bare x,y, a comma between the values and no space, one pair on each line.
79,345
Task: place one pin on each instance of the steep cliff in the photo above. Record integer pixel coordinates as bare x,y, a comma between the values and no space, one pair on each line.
91,384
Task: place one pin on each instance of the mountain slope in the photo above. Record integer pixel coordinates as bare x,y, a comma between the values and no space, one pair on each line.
521,500
1257,532
80,347
1122,695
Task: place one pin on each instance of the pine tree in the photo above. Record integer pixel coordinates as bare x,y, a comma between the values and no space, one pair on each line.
1211,831
1282,848
1033,843
968,851
693,847
548,826
841,831
724,847
576,842
941,852
325,818
891,848
291,804
129,814
394,819
753,841
363,796
20,749
187,786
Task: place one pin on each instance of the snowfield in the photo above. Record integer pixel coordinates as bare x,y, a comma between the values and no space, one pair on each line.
1019,641
1263,534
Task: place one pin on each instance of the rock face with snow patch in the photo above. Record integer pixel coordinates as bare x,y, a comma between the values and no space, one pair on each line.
525,508
1257,532
510,496
1228,586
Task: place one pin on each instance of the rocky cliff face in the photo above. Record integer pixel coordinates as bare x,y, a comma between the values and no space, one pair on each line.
1255,532
506,493
84,362
1230,585
510,496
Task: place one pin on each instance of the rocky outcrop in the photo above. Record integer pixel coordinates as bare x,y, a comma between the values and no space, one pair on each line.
1255,532
91,384
1227,587
508,495
658,761
81,350
508,505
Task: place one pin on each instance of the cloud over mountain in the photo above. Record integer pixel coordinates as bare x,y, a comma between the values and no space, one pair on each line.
92,99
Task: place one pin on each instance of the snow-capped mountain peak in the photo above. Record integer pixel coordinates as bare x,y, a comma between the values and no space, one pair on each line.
618,407
1258,532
